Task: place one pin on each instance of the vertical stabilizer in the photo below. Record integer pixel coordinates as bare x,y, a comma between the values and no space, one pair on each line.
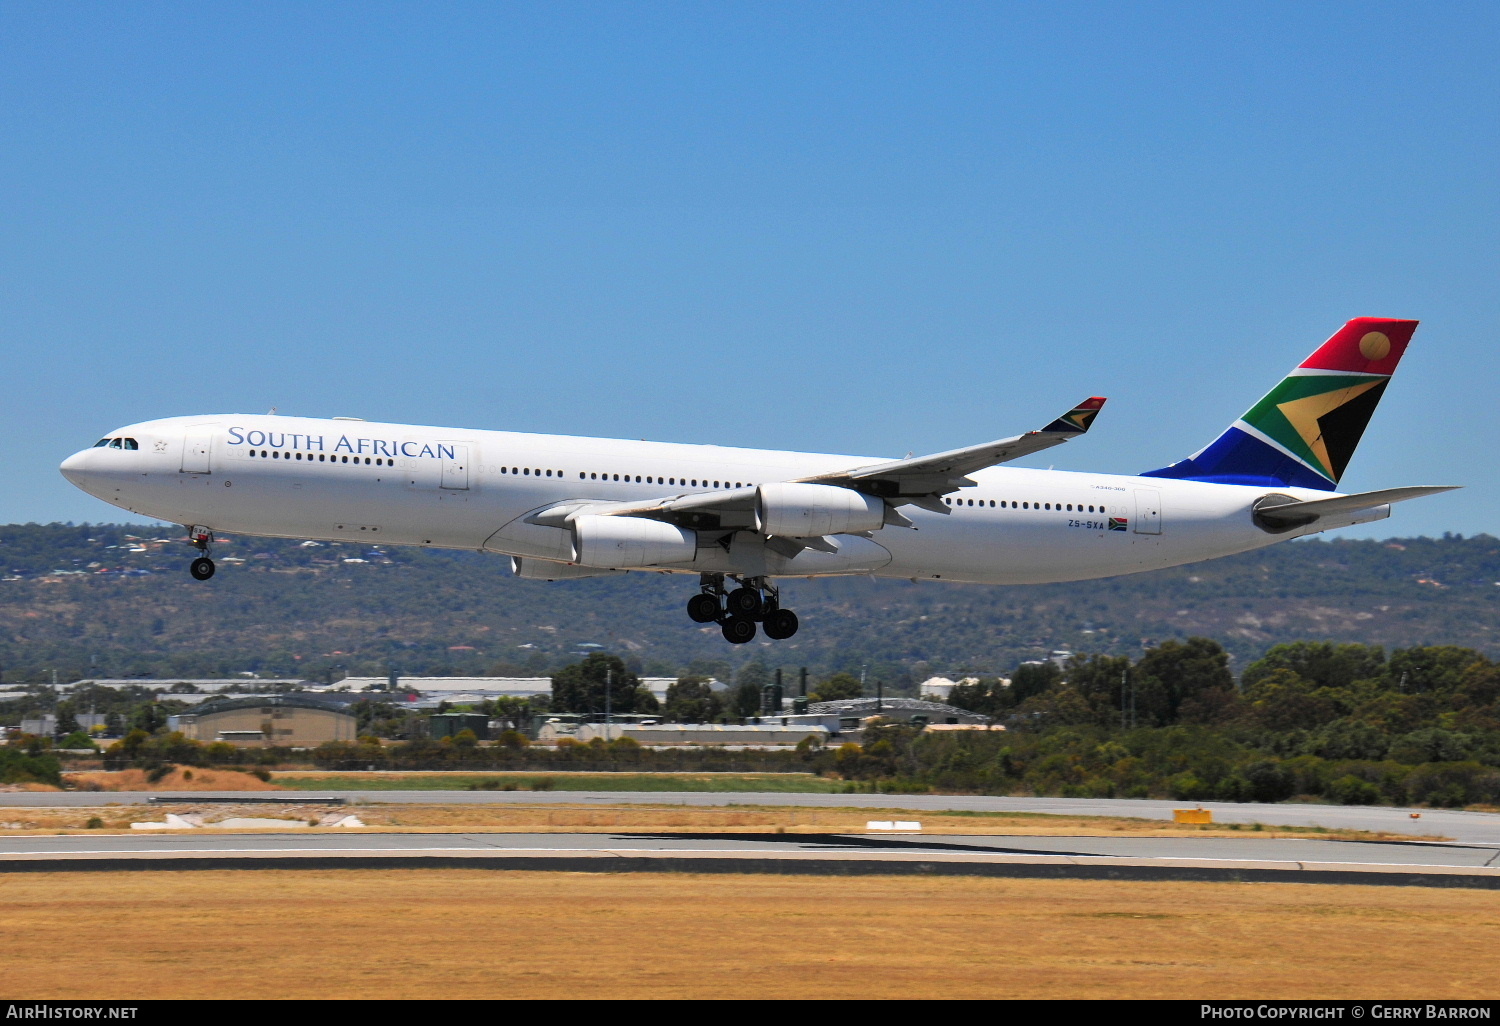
1303,433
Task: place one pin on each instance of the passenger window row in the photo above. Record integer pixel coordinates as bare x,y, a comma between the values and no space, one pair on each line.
277,454
1057,507
529,472
683,482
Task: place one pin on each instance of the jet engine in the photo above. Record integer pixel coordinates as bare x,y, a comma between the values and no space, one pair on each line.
793,510
626,542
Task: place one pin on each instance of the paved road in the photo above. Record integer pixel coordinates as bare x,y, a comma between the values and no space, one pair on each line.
1248,849
1471,827
1200,858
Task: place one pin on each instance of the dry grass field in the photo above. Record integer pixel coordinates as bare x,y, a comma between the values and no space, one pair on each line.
663,818
473,933
181,778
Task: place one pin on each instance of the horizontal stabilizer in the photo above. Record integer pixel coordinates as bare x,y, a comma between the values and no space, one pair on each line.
1293,512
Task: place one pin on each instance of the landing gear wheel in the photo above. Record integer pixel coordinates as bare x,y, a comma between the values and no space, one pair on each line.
745,602
703,608
737,630
780,624
202,568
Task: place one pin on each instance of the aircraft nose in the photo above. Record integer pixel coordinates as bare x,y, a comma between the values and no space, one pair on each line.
75,468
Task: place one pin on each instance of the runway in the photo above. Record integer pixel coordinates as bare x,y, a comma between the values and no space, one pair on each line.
1468,827
1097,857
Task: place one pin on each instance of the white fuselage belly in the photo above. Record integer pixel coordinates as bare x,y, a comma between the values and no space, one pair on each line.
453,488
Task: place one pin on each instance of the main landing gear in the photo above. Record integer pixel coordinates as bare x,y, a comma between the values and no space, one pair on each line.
202,539
738,611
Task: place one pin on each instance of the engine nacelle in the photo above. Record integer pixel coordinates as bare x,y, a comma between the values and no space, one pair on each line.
627,542
793,510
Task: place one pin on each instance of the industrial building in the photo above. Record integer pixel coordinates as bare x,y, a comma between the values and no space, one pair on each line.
655,734
850,714
293,721
477,689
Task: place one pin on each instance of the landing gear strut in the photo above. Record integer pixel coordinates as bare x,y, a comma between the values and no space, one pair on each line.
201,539
738,611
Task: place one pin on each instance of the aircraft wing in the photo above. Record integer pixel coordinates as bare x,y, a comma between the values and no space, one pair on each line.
919,481
1295,514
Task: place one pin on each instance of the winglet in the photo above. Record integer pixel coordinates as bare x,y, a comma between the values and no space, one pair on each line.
1077,420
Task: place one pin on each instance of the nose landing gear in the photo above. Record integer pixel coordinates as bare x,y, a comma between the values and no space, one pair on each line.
202,539
737,612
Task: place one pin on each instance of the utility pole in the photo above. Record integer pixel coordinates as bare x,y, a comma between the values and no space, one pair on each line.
802,692
879,696
609,679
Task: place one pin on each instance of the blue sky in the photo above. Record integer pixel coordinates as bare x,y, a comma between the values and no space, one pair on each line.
848,227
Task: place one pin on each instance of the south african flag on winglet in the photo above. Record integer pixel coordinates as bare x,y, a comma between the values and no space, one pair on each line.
1305,430
1118,523
1077,420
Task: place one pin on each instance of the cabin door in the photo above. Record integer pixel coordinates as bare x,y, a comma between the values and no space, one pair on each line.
196,444
1147,511
456,467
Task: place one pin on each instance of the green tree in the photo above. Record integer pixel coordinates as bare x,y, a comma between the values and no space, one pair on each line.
744,699
149,716
580,688
837,688
1431,668
1032,678
691,700
1323,663
1187,670
1281,700
986,697
67,722
1102,681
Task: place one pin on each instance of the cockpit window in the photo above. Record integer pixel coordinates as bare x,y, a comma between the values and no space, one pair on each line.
115,443
130,443
101,443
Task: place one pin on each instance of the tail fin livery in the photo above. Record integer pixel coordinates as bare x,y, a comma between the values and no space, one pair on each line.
1303,433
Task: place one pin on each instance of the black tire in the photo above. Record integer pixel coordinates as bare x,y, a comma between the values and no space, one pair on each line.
703,608
744,602
780,624
737,630
202,568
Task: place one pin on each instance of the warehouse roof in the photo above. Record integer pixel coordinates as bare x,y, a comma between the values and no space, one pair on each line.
294,701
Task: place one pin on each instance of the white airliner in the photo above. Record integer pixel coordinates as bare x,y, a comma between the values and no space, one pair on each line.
563,507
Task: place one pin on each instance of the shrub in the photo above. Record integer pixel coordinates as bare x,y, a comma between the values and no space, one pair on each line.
17,767
78,739
1351,790
94,823
1186,787
543,784
1267,781
1453,784
513,740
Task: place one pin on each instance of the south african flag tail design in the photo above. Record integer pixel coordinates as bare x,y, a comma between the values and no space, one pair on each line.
1304,432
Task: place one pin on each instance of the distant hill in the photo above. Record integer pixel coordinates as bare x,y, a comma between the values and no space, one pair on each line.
116,601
